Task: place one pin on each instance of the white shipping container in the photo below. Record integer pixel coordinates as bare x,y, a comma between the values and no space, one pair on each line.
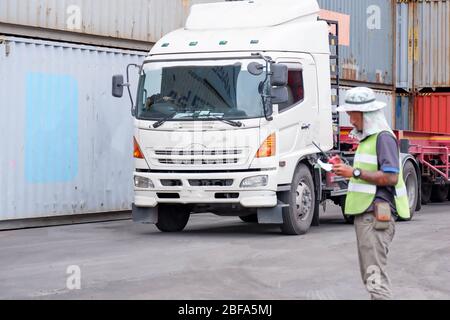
66,146
139,20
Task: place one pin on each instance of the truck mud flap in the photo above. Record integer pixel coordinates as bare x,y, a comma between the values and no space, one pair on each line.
272,215
145,215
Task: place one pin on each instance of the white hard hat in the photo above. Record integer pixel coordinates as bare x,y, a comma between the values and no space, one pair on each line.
361,99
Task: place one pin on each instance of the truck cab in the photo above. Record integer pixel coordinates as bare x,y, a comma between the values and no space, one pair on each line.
226,114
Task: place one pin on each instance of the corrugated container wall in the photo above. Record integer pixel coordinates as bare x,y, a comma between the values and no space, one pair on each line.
66,143
366,38
432,113
423,45
387,97
432,57
404,47
139,20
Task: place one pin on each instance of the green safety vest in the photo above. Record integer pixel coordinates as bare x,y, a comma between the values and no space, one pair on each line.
361,194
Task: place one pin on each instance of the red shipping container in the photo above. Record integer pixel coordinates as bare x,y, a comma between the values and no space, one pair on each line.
432,113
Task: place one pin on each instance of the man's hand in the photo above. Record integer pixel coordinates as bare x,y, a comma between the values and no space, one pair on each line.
343,170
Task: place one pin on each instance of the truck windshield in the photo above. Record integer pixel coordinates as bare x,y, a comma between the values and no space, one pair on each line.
201,92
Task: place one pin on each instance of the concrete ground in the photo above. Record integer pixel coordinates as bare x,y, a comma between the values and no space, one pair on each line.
220,258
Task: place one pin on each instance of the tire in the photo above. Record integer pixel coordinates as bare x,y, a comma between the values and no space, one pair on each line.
253,218
172,218
348,219
426,193
448,197
412,187
439,193
301,199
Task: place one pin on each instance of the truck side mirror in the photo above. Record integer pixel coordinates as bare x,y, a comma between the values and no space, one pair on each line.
279,95
117,86
279,76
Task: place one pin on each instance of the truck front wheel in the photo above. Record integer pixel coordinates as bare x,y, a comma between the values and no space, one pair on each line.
298,218
172,218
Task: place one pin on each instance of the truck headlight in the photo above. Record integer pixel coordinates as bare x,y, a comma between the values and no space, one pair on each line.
142,182
253,182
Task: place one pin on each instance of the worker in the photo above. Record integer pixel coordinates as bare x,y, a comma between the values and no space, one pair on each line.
376,194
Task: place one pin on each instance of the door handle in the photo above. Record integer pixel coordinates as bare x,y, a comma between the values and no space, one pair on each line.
306,126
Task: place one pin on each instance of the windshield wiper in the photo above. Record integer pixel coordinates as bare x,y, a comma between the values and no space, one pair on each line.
164,120
236,124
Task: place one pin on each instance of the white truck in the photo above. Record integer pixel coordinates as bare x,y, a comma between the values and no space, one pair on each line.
228,112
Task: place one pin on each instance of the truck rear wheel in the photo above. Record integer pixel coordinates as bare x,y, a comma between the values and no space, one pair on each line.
412,186
439,193
426,193
172,218
301,199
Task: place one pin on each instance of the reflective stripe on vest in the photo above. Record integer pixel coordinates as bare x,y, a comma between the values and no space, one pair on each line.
361,194
362,188
366,158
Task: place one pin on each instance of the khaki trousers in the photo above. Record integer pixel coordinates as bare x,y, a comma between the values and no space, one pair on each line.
373,249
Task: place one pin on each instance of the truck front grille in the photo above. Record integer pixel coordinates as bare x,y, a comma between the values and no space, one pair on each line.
211,182
199,157
198,162
196,152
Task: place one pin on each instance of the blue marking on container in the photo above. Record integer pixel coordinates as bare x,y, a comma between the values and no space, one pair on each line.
51,138
402,113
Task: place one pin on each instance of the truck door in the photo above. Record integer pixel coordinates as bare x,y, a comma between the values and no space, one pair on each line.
298,119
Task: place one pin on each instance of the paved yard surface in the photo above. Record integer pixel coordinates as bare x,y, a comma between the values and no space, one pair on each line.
220,258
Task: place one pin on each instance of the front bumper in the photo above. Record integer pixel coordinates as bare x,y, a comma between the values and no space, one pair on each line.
259,197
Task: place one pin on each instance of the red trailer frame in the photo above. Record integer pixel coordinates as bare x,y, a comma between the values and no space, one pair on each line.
431,150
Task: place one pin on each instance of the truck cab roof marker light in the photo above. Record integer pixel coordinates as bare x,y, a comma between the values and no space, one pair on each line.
223,42
165,45
254,42
193,43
